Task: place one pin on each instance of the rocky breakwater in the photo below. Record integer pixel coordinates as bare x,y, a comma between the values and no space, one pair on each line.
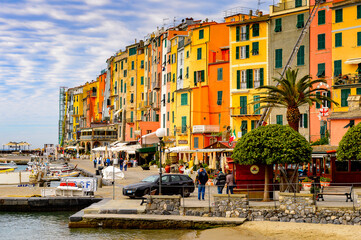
229,205
299,203
163,205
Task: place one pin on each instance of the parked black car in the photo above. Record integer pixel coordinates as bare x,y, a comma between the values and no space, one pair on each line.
171,184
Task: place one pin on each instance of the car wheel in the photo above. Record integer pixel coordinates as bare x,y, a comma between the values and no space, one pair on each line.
146,192
131,197
185,192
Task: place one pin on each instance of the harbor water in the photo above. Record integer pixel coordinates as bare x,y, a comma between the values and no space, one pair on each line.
54,225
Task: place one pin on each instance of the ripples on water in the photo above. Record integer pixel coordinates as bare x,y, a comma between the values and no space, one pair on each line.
54,225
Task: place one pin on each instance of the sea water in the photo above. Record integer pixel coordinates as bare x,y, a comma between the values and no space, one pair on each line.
54,225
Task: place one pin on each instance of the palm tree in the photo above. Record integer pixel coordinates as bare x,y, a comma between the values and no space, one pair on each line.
291,94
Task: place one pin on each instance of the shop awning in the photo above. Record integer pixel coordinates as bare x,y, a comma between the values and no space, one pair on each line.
177,149
127,148
147,149
117,112
150,138
353,61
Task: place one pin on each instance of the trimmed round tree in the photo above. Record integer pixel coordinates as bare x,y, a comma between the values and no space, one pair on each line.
272,144
349,147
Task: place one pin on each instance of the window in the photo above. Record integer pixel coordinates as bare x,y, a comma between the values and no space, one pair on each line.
198,76
116,67
184,124
244,127
184,99
142,64
245,52
132,65
278,27
249,78
243,104
337,68
256,106
318,105
278,58
199,53
255,30
219,97
338,39
321,17
121,86
187,72
245,33
359,39
300,21
358,91
187,55
321,70
195,142
173,77
201,34
338,16
167,116
279,119
125,87
358,11
220,74
121,65
238,79
115,88
298,3
255,48
261,77
131,132
172,116
301,56
132,81
163,120
344,95
131,98
168,100
125,73
321,41
257,77
244,79
253,124
237,52
131,116
132,51
180,73
304,120
238,31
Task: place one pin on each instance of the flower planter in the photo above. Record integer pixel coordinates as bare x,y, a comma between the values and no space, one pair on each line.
181,167
167,169
145,168
325,184
307,186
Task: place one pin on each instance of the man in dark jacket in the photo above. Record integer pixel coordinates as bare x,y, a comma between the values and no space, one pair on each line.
202,180
220,181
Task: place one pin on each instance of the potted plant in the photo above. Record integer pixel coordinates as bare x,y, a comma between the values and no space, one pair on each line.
325,182
167,167
306,184
145,166
181,167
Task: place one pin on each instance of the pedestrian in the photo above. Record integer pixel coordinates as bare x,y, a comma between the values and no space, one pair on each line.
220,181
229,181
99,161
95,162
125,164
115,161
108,162
202,180
121,162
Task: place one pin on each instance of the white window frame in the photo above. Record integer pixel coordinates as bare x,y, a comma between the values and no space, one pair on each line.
243,79
257,79
243,33
243,52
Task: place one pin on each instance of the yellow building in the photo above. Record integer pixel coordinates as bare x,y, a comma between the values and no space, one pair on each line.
77,110
140,94
346,58
248,69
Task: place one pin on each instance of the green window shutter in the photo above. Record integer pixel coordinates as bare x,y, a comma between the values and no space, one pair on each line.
255,28
201,34
238,79
131,132
359,39
279,119
244,127
305,120
220,74
261,76
298,3
243,105
256,106
253,124
278,25
255,48
318,105
195,141
202,76
358,91
131,116
247,32
237,52
338,39
125,87
184,99
249,78
321,17
338,16
132,65
121,86
172,116
247,51
337,66
321,70
195,78
238,33
184,124
328,102
358,11
173,77
278,60
301,56
121,65
141,80
168,98
344,96
321,41
300,21
132,81
199,53
219,97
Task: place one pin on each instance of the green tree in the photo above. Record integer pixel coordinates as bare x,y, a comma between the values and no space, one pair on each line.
291,94
272,144
349,147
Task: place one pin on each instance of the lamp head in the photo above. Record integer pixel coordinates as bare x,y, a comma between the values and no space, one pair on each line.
160,133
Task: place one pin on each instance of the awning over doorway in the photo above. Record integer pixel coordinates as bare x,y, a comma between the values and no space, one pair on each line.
147,149
353,61
150,138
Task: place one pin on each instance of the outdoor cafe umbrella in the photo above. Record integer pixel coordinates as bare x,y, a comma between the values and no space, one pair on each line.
214,158
106,153
185,158
222,162
196,162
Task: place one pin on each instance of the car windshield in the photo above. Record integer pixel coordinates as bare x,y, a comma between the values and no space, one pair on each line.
153,178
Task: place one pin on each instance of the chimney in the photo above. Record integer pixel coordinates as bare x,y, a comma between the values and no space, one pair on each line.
135,40
250,14
260,14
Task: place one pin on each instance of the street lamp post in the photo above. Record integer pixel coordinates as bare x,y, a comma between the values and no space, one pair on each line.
160,134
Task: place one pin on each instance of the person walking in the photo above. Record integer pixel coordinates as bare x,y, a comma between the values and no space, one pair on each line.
95,161
202,180
121,162
220,181
229,181
125,164
108,162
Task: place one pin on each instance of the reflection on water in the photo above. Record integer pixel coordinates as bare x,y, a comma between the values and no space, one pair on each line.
54,225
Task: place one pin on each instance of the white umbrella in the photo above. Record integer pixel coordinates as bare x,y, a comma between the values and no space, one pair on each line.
222,162
210,161
214,158
196,162
185,158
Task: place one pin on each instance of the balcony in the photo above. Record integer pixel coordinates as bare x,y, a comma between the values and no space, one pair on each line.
247,111
205,128
286,5
182,131
155,105
142,105
348,79
129,120
156,85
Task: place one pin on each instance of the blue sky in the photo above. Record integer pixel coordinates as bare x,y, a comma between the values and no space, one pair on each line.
45,44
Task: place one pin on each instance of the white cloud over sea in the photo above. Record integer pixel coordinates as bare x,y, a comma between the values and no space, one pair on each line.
45,44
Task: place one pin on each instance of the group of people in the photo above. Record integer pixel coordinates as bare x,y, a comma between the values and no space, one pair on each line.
221,181
123,164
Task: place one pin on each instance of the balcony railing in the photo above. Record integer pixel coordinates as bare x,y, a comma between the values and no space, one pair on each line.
130,120
239,111
156,85
347,79
285,5
142,104
205,128
182,130
155,105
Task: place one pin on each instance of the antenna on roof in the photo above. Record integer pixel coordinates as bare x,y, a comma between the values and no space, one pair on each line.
259,5
164,21
174,20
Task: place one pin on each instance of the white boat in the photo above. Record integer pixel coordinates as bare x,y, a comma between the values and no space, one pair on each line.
8,167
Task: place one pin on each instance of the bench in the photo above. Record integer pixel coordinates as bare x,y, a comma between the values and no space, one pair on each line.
335,190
